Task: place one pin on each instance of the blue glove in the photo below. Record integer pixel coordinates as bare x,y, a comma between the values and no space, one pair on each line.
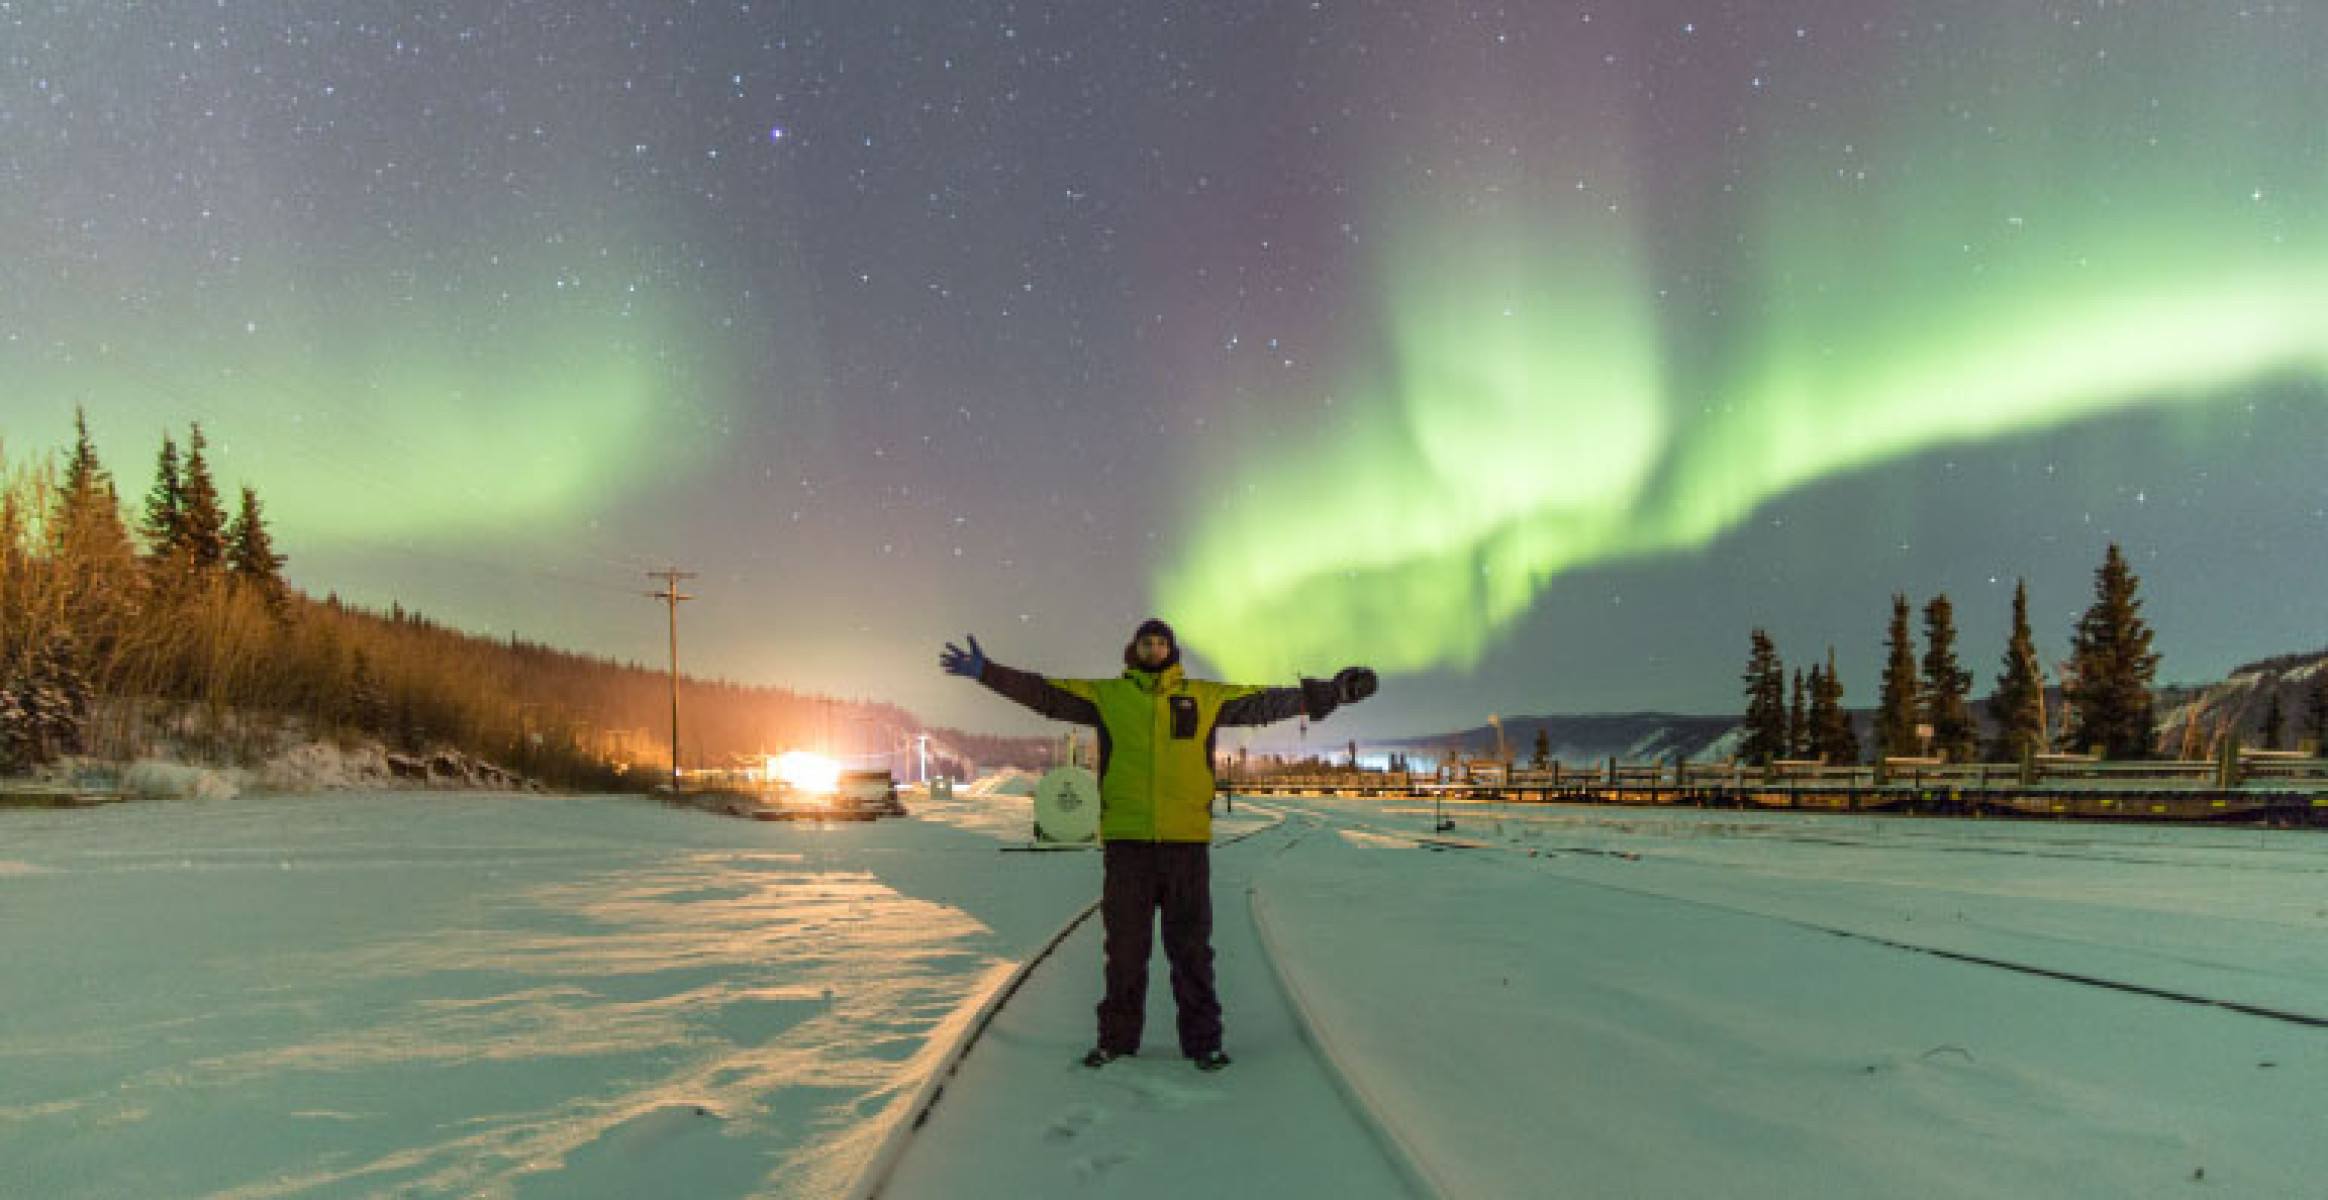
969,664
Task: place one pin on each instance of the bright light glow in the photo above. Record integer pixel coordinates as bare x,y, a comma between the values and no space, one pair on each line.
805,771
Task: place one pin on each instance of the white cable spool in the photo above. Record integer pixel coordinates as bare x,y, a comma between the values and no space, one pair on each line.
1067,807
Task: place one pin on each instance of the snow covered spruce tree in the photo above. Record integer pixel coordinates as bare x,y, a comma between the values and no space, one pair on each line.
1765,681
55,701
1947,686
2113,667
1897,710
44,705
15,617
2018,707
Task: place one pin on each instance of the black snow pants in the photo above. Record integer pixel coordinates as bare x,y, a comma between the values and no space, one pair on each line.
1142,877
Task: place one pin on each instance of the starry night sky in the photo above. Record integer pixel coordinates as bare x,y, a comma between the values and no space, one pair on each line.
1533,353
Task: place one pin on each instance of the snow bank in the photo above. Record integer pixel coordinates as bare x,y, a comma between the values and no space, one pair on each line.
1009,781
159,779
324,767
1724,747
319,766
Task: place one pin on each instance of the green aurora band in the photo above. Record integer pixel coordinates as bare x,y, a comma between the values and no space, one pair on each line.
1897,283
363,416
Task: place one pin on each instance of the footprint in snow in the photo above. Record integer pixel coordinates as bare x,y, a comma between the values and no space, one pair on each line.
1072,1122
1159,1093
1092,1166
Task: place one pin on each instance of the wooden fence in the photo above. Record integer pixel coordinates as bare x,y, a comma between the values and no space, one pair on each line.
2256,786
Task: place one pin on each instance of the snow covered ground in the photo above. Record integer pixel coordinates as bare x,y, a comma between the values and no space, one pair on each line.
499,995
453,994
1747,1007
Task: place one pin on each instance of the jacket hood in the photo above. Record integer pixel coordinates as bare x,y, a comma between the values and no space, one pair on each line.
1152,625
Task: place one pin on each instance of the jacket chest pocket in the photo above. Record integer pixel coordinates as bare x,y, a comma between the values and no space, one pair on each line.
1183,716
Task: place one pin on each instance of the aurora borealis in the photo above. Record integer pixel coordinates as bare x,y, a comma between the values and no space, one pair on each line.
2048,261
1532,353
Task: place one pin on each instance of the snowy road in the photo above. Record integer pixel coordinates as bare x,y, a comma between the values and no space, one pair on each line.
1024,1118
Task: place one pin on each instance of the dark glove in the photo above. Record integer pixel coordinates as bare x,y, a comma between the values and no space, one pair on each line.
969,664
1353,684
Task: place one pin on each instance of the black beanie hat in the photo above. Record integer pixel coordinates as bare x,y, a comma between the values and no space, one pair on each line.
1152,625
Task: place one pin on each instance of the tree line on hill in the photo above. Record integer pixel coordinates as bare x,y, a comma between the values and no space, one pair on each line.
1926,705
175,623
2273,731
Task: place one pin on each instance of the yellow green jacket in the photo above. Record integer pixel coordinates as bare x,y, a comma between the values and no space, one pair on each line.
1156,738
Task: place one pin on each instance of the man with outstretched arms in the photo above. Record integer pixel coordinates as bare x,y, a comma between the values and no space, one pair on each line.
1155,801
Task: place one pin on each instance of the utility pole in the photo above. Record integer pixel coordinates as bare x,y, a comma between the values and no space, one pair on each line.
672,596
